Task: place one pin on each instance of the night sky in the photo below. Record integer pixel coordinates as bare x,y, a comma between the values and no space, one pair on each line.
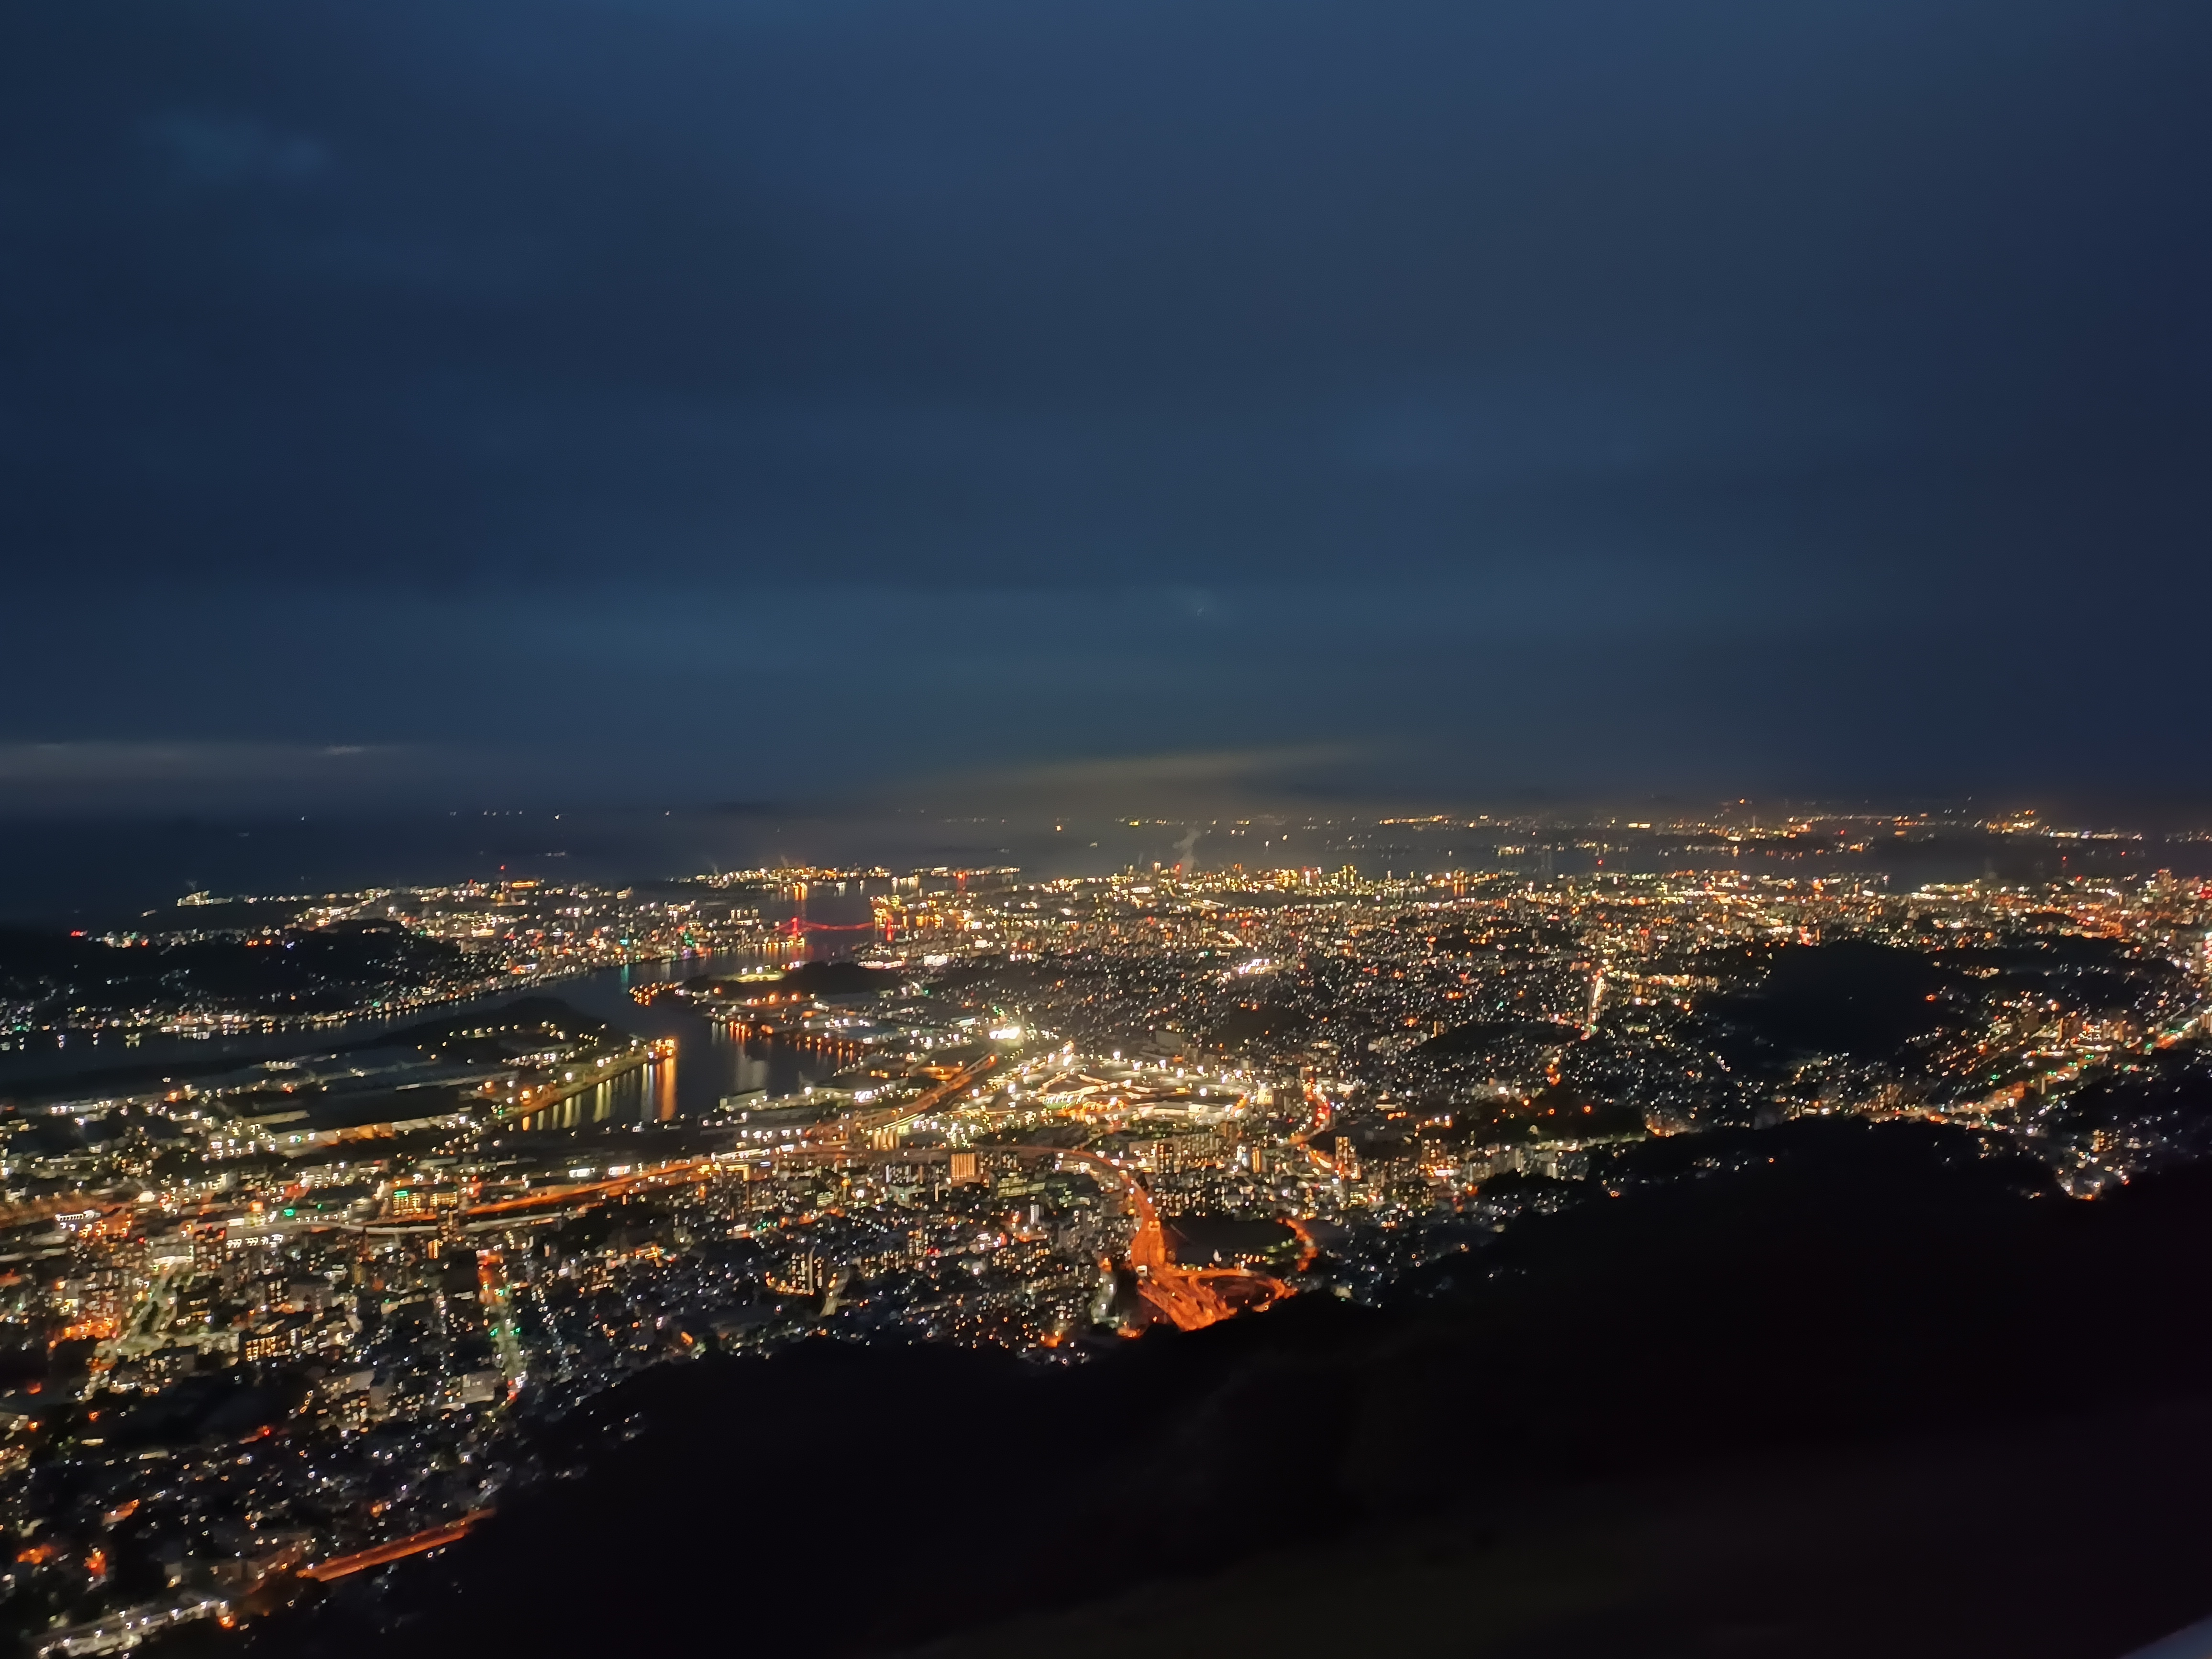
486,403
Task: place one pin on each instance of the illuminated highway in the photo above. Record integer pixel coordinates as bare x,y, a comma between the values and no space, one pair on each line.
859,1125
343,1566
1189,1298
596,1192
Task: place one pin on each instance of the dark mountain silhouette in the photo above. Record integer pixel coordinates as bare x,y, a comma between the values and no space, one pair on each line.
1844,1293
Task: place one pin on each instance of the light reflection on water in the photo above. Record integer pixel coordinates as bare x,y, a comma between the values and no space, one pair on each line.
710,1061
647,1095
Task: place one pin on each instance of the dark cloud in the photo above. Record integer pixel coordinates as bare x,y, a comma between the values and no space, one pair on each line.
1504,386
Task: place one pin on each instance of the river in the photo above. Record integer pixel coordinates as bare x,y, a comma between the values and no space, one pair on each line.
708,1064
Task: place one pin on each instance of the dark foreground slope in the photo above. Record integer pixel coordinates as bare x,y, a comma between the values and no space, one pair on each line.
1882,1394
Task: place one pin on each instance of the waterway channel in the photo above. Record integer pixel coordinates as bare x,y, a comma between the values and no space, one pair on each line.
46,1068
709,1061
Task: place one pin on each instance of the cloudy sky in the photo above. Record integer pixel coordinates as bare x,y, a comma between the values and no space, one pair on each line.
726,399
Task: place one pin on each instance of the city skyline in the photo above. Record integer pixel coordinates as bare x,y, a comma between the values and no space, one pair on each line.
973,828
331,1220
